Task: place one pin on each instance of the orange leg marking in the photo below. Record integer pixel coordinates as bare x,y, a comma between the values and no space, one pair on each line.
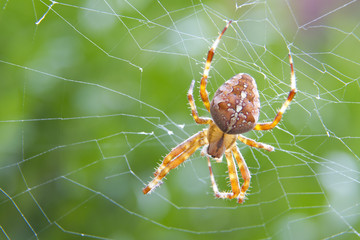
182,147
245,173
177,156
253,143
194,111
270,125
233,176
203,93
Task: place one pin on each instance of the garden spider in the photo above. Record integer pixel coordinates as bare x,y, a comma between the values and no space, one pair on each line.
234,110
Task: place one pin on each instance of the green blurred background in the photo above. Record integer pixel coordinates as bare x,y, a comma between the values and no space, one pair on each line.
95,95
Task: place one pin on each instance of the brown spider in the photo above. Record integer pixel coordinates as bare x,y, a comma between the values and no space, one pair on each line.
234,110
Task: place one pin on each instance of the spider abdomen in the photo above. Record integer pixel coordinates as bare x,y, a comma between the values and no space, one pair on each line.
235,107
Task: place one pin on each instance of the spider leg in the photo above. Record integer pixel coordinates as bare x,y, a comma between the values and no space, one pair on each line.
233,175
182,147
203,93
253,143
194,112
177,156
270,125
245,173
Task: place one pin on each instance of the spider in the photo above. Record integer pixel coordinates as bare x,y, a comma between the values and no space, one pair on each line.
234,110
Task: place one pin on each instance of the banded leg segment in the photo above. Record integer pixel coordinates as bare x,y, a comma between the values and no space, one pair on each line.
177,156
245,174
253,143
194,111
203,93
182,147
270,125
233,176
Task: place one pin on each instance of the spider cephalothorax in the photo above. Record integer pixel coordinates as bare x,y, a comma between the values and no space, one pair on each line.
235,110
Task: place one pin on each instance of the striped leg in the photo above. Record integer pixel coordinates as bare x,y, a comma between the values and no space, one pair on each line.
233,175
194,112
177,156
203,93
245,173
252,143
182,147
270,125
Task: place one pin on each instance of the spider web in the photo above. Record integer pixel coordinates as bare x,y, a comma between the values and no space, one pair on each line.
93,94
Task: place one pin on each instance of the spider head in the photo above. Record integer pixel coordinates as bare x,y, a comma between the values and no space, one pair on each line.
235,107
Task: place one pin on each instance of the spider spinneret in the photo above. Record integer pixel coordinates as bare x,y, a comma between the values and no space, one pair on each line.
234,109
